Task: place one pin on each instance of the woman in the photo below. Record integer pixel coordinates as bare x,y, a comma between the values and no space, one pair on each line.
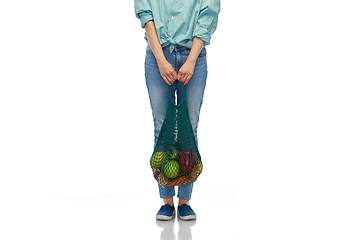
177,32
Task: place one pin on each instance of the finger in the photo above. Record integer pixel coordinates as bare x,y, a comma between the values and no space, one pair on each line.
170,76
166,80
183,77
173,76
176,76
169,79
180,76
187,79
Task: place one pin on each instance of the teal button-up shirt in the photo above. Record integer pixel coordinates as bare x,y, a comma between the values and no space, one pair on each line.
179,21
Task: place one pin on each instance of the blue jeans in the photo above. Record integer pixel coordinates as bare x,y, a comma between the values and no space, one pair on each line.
159,96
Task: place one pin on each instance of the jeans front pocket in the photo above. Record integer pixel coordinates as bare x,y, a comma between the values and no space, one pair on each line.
202,53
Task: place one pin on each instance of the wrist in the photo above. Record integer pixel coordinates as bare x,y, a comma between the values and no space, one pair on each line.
193,56
160,59
191,60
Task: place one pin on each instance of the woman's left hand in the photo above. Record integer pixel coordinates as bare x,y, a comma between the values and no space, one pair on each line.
186,71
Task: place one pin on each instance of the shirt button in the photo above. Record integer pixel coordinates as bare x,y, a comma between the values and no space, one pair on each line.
172,17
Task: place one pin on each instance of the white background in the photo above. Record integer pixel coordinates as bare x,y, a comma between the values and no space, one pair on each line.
279,130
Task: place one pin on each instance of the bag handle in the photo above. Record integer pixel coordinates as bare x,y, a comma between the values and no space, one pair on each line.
171,96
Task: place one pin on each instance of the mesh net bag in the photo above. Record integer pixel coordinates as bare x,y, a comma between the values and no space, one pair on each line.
176,159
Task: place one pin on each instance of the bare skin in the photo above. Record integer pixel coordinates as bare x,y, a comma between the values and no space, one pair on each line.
168,72
171,201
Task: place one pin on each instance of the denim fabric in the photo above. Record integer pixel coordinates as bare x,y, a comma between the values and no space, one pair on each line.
184,191
159,95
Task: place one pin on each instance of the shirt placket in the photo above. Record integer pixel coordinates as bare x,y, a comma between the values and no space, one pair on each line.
171,24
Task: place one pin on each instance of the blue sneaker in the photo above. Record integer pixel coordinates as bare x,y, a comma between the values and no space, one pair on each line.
166,212
186,213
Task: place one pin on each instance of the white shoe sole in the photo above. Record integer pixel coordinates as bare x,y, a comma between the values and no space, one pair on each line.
164,217
186,218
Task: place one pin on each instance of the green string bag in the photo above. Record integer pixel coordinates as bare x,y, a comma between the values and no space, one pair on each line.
176,159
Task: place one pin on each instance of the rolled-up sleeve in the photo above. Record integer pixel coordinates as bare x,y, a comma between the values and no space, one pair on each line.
143,11
207,20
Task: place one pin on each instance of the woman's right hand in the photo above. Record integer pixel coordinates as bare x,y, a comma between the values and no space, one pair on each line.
167,71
